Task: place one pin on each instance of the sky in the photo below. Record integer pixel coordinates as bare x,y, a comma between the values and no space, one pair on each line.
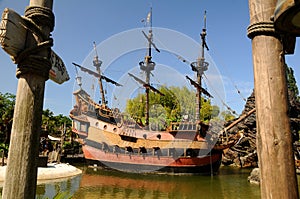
116,28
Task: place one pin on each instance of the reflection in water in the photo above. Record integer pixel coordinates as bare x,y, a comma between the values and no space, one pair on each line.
51,189
230,183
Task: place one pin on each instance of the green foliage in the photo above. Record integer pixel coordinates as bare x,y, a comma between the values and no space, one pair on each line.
63,195
67,145
227,115
215,111
7,104
54,124
176,103
291,82
72,147
59,195
136,106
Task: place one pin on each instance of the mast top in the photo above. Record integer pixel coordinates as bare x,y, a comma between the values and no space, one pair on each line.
149,18
97,63
204,27
148,65
203,34
201,65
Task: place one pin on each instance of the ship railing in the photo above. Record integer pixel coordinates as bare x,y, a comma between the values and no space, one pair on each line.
186,127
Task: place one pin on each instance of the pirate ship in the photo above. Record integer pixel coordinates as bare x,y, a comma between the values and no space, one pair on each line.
115,142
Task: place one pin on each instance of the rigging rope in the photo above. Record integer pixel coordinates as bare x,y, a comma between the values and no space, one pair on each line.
233,83
189,63
228,108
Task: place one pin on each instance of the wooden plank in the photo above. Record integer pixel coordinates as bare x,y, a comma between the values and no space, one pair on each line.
241,118
12,32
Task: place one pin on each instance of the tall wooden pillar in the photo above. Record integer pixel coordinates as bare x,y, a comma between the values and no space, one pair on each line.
274,142
33,70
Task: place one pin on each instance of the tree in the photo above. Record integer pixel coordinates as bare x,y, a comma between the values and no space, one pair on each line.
7,103
54,124
50,123
177,102
227,115
61,122
47,121
291,83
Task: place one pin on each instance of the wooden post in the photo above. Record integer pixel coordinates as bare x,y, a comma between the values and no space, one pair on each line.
33,71
274,142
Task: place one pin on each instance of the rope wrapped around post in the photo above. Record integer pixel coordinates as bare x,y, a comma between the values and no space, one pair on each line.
30,59
262,28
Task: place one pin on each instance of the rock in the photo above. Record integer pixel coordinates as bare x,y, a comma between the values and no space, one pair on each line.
254,177
244,153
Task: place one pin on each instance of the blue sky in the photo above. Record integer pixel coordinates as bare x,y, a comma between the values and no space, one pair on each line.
79,23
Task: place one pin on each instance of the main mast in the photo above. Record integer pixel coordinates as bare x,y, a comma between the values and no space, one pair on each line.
199,67
97,63
148,65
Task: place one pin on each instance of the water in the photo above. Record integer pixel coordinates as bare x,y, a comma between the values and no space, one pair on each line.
93,184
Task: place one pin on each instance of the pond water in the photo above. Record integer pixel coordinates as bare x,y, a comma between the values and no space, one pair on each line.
92,184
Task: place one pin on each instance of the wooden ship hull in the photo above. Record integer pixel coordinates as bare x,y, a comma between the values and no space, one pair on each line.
117,144
125,156
153,163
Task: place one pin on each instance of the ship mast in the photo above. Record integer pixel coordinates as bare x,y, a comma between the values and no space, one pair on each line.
148,65
97,63
199,67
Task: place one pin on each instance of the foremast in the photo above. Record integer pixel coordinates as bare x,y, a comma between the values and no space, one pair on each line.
97,63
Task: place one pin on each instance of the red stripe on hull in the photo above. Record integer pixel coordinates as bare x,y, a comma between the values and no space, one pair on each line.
157,162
